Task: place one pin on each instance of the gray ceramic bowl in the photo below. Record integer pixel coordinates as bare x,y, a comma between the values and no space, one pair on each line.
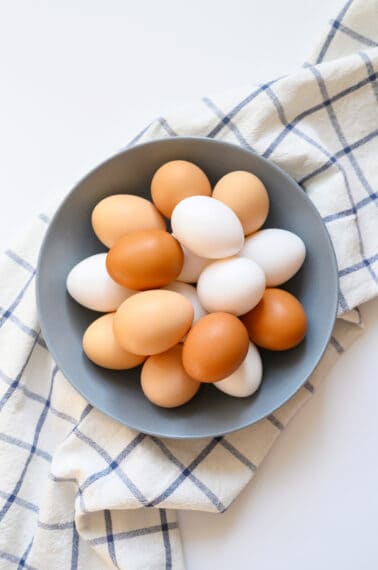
70,238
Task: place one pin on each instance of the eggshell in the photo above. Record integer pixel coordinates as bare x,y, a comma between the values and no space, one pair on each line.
153,321
278,322
164,380
207,227
90,285
215,347
193,265
175,181
246,379
120,214
145,260
233,285
279,253
246,195
190,293
102,348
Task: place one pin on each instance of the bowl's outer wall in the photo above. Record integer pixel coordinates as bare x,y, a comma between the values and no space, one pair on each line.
70,238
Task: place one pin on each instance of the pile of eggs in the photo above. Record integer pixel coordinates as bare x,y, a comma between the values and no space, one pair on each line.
193,305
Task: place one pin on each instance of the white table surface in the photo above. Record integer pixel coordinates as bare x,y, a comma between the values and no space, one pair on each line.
78,80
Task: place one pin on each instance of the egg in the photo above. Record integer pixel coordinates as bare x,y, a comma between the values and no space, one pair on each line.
234,285
246,379
279,253
91,286
190,293
102,348
164,380
145,259
153,321
192,267
175,181
215,347
120,214
246,195
207,227
278,322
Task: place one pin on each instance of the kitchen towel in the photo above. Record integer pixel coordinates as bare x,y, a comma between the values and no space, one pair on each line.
81,491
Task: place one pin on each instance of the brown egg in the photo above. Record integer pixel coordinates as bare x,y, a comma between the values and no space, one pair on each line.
175,181
278,322
145,260
120,214
246,195
152,321
215,347
101,346
164,380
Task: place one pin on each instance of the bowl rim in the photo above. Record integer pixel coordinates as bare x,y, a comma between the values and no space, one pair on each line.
169,140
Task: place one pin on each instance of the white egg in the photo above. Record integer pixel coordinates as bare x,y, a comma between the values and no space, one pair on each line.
279,253
233,285
190,293
90,285
193,265
207,227
246,379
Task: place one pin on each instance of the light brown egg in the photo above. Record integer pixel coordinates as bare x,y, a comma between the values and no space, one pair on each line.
278,322
102,348
153,321
215,347
164,380
246,195
145,260
175,181
120,214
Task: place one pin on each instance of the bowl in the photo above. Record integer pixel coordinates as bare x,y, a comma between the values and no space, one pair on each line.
70,238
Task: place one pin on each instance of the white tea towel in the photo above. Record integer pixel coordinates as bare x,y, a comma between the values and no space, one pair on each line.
81,491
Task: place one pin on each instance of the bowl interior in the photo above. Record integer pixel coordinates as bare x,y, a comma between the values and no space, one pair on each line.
70,238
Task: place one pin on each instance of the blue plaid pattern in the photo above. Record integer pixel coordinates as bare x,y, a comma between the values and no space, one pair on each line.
78,490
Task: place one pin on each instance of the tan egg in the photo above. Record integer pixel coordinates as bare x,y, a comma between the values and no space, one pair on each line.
278,322
164,380
153,321
102,348
145,260
175,181
246,195
215,347
121,214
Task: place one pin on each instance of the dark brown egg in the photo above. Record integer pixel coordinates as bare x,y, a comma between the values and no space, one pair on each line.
278,322
145,260
215,347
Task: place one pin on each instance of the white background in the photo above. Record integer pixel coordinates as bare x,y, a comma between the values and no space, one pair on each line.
78,80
